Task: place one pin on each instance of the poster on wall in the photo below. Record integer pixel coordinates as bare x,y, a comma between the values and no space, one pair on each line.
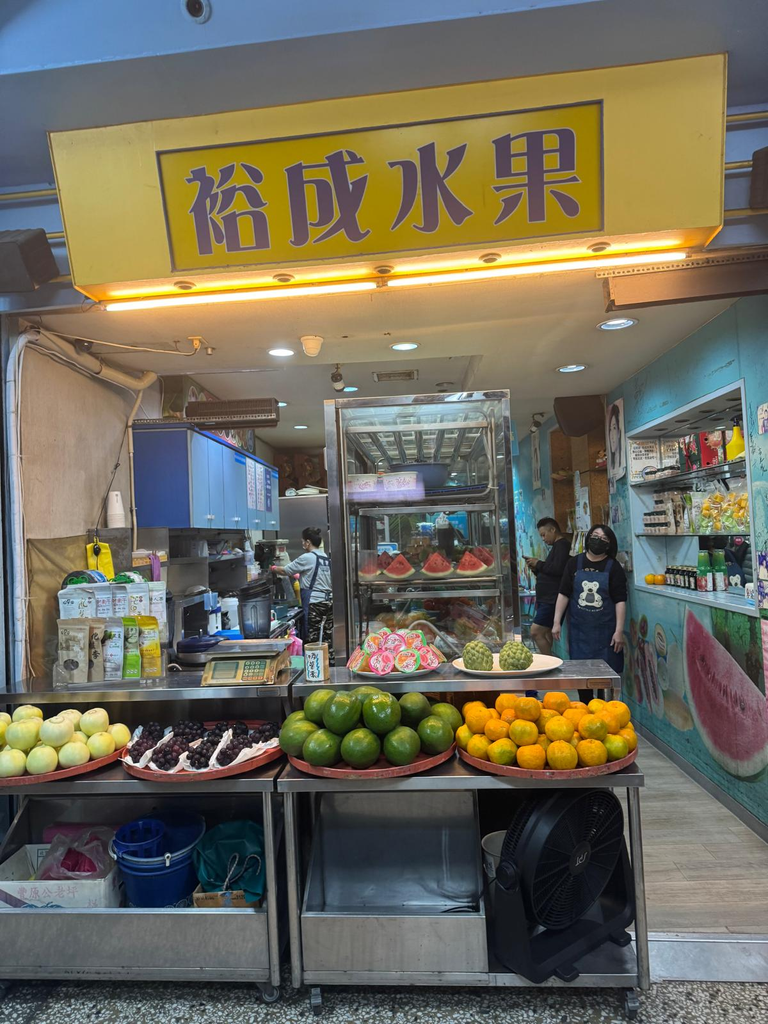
643,456
536,459
581,497
615,444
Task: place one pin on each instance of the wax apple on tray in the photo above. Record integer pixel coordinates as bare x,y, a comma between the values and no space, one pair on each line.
391,653
191,746
367,727
33,745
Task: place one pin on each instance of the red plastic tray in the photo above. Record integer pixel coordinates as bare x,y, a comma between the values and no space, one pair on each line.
548,773
150,775
62,773
382,769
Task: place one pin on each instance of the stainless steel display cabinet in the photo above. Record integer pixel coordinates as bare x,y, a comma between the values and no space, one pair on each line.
147,944
420,475
391,894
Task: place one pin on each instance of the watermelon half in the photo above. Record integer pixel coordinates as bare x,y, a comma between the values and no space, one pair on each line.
384,560
485,556
470,565
399,569
730,712
368,569
437,566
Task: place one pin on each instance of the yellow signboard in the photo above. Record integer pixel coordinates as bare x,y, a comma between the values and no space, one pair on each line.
456,183
630,157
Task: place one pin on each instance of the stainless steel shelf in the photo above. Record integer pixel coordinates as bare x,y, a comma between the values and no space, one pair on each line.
115,781
453,775
176,686
574,675
417,579
722,472
418,595
730,601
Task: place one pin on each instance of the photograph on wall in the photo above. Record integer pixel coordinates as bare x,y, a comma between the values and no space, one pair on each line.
762,418
536,459
614,431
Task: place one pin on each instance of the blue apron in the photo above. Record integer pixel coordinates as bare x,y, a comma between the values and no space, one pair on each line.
592,616
306,592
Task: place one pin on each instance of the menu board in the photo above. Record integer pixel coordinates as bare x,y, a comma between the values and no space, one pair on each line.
268,489
643,455
261,503
250,477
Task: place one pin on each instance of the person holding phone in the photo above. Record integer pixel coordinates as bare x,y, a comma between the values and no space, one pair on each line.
548,573
593,591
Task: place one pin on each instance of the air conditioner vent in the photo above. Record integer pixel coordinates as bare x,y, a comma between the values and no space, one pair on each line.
240,412
391,376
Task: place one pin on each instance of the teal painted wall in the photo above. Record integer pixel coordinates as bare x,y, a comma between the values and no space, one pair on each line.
676,691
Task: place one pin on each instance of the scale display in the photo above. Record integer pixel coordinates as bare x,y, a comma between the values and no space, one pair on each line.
229,671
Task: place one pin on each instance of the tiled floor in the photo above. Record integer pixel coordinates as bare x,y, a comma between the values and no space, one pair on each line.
71,1003
704,870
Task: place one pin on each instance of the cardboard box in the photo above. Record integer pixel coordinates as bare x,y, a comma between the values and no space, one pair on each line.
712,447
233,898
19,889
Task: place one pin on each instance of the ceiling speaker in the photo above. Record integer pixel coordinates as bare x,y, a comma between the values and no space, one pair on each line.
26,260
579,414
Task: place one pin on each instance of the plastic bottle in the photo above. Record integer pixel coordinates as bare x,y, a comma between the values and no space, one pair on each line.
704,582
735,447
719,571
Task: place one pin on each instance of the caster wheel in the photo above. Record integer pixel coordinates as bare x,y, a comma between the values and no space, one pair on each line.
270,994
316,1001
631,1005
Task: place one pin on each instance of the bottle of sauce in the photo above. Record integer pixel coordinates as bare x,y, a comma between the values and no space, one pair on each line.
704,581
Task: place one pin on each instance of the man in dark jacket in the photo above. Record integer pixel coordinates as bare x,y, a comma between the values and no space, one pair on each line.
548,575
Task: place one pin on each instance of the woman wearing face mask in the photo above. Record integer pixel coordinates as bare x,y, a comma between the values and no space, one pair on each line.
594,592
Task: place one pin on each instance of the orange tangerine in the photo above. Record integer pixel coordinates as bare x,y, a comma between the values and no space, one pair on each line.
575,715
559,728
595,705
591,753
543,741
528,708
504,701
546,715
592,728
575,739
620,709
471,704
533,757
495,729
523,732
463,736
477,718
630,737
629,725
617,747
610,720
502,752
580,705
556,701
562,756
508,715
478,747
494,713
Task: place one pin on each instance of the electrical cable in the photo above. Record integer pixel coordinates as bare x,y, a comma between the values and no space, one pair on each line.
131,348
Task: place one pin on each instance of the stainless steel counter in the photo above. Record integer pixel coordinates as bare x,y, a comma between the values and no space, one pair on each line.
573,675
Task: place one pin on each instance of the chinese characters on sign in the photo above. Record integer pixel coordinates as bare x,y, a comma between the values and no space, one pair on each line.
403,188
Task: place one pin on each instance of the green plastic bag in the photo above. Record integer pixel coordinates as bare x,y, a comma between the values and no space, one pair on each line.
231,856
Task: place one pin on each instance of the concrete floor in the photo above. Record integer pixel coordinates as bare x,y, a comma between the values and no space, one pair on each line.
135,1003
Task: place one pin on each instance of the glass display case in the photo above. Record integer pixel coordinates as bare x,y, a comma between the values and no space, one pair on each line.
422,527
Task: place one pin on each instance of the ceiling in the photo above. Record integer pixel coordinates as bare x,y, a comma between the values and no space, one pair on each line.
120,74
509,334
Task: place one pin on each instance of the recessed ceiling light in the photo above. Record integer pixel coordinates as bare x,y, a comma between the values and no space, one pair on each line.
350,387
572,368
301,426
282,352
404,346
281,405
617,323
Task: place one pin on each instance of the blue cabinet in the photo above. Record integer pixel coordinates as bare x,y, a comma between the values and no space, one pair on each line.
185,479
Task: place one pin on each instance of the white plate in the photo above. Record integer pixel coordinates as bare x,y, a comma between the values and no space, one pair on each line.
541,663
393,674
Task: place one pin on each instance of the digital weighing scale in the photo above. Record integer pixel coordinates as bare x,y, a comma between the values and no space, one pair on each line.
246,662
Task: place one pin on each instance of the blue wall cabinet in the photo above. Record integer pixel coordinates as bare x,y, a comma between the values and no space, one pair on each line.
185,479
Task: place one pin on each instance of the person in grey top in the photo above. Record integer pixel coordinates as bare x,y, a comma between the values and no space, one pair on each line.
313,568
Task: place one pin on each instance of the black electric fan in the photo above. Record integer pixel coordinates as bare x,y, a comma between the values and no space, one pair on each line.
563,886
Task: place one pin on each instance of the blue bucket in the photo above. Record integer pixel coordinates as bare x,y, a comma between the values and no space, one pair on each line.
141,838
170,879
